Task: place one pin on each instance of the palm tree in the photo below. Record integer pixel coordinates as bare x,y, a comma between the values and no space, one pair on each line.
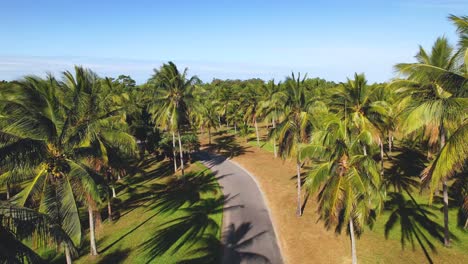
45,135
355,100
104,137
207,119
461,22
270,107
294,130
19,223
172,102
346,179
250,105
448,162
438,105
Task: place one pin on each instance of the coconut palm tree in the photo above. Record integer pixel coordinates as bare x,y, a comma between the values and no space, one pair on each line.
438,107
38,134
354,99
447,163
270,107
295,129
52,137
347,180
19,223
206,118
251,106
461,22
172,102
104,137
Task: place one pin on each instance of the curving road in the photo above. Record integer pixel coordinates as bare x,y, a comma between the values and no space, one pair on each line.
247,228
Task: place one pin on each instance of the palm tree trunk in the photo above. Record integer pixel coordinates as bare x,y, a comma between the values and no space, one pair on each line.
181,153
92,238
364,150
8,191
113,192
299,203
68,255
446,199
446,216
209,135
109,209
256,131
381,157
390,138
174,152
235,128
353,242
274,140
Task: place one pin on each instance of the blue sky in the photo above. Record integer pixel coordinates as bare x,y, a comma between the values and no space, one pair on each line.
223,39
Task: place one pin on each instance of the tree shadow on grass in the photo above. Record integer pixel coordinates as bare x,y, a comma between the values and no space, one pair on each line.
174,193
164,169
188,189
230,250
220,132
227,146
128,233
415,224
116,257
406,167
147,162
188,229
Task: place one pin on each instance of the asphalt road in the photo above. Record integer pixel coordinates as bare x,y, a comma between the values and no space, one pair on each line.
247,229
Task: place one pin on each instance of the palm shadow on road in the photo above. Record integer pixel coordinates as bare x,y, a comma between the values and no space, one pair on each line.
232,249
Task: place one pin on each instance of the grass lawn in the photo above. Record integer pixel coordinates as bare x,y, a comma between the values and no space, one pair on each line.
306,240
129,238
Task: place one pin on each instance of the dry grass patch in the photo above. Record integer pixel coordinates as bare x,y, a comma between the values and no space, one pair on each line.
304,239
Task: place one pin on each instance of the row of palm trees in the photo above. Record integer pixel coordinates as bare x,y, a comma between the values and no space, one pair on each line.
343,132
67,139
62,139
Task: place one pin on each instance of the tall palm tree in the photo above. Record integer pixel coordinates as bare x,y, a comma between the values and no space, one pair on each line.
295,129
270,107
448,162
439,105
44,126
355,100
206,118
251,104
347,180
172,102
103,129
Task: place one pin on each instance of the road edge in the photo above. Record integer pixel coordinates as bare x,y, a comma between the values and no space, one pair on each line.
273,221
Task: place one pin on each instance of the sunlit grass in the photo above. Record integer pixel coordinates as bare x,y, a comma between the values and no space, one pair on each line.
121,241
